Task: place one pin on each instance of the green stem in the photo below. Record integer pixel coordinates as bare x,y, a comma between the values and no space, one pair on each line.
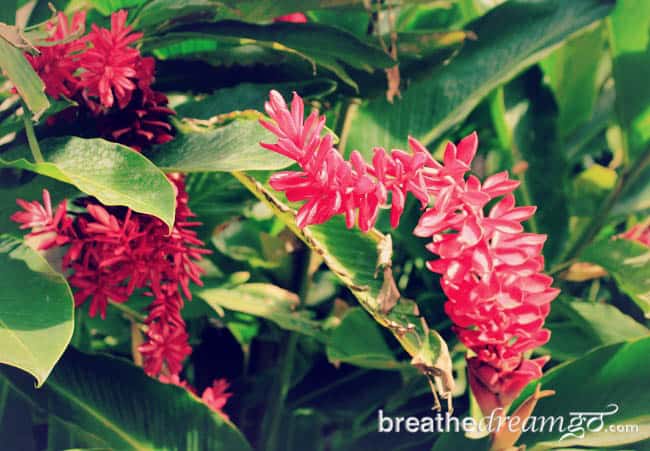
275,412
128,311
320,391
31,136
628,177
4,394
498,114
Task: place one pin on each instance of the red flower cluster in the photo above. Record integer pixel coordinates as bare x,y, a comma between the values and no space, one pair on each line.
331,185
113,251
215,397
108,78
498,298
57,64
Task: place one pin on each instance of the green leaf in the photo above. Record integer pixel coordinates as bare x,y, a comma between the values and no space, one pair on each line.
630,46
573,74
616,374
353,257
635,196
319,44
577,327
22,76
15,123
250,96
532,118
114,174
36,310
358,341
266,301
160,13
511,37
246,242
232,147
136,413
629,263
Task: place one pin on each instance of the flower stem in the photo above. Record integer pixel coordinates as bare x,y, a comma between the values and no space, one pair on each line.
128,311
275,412
31,136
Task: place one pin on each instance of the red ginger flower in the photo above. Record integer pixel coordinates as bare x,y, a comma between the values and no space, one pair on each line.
52,226
331,185
114,251
215,396
497,296
110,65
639,233
141,124
57,64
293,18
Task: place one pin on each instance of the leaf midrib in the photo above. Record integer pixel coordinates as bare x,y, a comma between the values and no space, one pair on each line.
137,445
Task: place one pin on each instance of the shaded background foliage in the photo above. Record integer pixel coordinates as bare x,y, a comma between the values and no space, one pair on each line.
558,93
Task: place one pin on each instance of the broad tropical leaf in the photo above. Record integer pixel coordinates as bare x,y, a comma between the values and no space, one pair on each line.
629,263
593,383
137,413
36,310
511,37
231,147
114,174
266,301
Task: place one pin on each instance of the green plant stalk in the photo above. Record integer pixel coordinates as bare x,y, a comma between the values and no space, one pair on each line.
128,311
31,135
629,175
273,417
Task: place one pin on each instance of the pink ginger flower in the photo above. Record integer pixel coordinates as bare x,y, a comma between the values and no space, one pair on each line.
639,233
113,251
57,64
491,270
111,64
293,17
215,396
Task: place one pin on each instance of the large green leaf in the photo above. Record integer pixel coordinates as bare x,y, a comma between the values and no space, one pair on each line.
578,326
36,310
615,374
358,341
114,174
629,263
573,74
630,44
117,402
532,118
161,13
266,301
319,44
511,37
232,147
353,256
250,96
27,82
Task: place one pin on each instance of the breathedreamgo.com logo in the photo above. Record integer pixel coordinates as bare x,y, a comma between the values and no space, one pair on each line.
575,424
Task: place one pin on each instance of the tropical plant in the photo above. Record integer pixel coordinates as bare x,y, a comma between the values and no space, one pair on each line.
234,225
